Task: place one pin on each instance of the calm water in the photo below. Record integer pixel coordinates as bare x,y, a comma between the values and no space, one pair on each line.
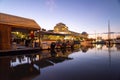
85,63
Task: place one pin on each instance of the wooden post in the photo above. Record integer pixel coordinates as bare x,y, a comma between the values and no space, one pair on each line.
5,37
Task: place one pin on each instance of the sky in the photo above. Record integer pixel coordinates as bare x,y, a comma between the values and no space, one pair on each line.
90,16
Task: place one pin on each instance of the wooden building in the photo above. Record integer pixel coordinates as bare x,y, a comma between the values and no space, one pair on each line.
11,23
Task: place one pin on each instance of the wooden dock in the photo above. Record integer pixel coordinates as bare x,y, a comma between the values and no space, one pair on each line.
19,51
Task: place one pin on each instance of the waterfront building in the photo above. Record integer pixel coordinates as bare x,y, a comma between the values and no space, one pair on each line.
16,30
84,35
60,33
47,37
61,28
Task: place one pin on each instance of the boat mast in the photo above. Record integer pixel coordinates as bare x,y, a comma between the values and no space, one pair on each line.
109,35
109,48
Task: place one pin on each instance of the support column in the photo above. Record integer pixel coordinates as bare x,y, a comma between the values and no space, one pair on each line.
5,37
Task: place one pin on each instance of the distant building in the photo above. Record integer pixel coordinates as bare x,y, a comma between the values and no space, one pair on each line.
84,35
14,28
61,28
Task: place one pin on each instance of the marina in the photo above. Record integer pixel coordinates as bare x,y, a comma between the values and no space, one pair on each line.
59,40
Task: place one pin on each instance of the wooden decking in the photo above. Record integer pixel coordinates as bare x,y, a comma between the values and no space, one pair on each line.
19,51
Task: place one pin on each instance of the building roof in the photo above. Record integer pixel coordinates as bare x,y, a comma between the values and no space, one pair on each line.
51,33
75,33
18,22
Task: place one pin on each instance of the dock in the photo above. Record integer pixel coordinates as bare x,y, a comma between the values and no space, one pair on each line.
19,51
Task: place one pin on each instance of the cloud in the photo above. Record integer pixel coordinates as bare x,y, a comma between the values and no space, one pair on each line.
51,5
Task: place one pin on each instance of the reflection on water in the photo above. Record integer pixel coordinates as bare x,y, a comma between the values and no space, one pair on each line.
100,62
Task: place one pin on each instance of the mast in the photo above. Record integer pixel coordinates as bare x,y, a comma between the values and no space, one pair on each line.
109,35
109,44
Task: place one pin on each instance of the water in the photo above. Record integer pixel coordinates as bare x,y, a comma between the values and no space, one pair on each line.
97,62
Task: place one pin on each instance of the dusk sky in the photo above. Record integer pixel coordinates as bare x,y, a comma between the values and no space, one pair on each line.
79,15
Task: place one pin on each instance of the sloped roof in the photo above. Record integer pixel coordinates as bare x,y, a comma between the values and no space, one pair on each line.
51,33
18,22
